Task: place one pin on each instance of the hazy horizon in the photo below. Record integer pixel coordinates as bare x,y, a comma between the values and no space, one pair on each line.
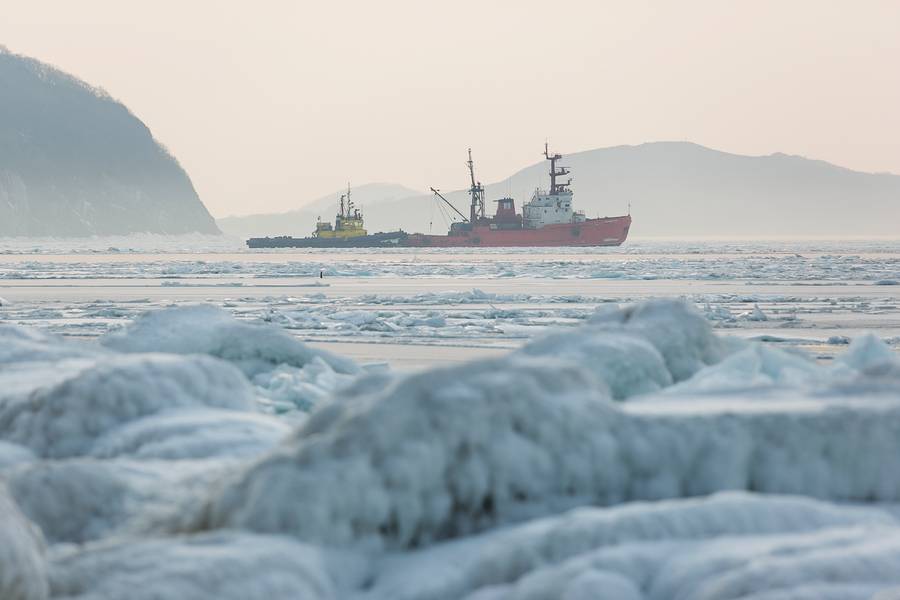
270,107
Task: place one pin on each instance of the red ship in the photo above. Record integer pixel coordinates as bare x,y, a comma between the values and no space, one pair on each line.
548,219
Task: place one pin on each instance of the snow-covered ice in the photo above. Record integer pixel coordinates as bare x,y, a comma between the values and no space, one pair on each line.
166,446
286,372
23,567
227,566
444,453
204,329
66,416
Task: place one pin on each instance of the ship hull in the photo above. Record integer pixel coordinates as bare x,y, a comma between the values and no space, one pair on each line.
392,239
607,231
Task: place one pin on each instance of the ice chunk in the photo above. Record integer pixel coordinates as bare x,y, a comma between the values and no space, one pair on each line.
629,364
206,329
355,317
449,452
75,501
755,315
300,388
680,333
867,352
14,454
657,547
639,349
755,367
192,434
225,566
590,584
64,416
717,312
436,454
850,563
22,345
81,499
23,567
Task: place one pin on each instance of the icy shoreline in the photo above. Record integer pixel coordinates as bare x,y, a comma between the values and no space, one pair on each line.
191,455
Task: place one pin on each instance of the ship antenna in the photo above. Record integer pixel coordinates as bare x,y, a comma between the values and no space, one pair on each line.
555,188
349,202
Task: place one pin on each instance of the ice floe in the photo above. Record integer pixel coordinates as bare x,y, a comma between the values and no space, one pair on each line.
287,372
66,416
581,263
226,566
205,329
23,566
639,454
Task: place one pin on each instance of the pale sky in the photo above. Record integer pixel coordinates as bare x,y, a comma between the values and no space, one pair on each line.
271,103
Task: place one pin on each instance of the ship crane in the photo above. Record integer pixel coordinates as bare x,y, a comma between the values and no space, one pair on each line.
448,203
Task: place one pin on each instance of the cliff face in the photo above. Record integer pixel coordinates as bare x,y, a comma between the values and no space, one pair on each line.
74,162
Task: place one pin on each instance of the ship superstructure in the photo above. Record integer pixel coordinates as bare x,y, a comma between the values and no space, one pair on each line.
348,222
553,206
547,219
348,231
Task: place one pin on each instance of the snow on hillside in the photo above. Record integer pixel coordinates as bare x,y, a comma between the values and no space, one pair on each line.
638,456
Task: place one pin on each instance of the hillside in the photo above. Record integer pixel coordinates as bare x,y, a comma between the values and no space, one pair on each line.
682,189
302,221
75,162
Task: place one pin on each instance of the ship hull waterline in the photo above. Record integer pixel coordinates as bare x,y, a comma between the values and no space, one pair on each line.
606,231
391,239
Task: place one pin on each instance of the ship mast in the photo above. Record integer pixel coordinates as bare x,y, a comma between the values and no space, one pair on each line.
556,188
349,202
476,209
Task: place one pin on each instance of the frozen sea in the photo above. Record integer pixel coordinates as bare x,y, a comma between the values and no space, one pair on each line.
188,419
415,308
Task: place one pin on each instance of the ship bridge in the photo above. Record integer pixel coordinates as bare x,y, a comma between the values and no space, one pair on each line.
553,206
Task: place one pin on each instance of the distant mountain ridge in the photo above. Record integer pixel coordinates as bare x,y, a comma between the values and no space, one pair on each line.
682,189
75,162
302,221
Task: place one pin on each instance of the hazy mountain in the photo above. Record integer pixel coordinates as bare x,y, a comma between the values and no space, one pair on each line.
302,222
683,189
74,162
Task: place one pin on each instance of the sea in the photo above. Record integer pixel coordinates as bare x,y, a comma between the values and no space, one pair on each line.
418,308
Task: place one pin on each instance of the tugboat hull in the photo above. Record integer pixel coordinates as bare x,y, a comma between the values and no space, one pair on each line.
608,231
391,239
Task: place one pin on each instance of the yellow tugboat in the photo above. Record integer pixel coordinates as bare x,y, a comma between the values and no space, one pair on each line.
348,223
348,232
